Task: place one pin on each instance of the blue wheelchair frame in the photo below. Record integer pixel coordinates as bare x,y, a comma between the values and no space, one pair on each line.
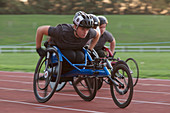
77,71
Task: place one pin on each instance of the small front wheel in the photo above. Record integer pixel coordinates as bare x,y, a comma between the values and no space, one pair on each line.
122,90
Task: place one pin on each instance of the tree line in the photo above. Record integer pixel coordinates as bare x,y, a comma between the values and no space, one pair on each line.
90,6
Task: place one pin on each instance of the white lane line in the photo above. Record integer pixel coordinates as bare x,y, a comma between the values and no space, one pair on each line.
49,106
139,101
104,98
160,85
27,90
12,89
148,102
11,72
14,81
145,79
15,76
32,73
153,92
142,84
164,93
142,91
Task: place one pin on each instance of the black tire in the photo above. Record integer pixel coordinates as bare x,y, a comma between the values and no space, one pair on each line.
134,70
60,86
120,62
51,73
100,82
122,94
86,87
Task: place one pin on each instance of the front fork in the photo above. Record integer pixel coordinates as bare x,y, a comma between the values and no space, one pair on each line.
112,78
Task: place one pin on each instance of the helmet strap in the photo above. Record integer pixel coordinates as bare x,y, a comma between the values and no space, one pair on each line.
76,31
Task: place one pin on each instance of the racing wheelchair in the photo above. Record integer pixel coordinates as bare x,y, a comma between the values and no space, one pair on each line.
129,62
83,77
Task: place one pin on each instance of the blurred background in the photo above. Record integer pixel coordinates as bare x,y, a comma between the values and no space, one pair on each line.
91,6
141,29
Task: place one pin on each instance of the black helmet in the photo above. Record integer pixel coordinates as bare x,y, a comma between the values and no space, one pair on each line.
82,19
96,20
103,20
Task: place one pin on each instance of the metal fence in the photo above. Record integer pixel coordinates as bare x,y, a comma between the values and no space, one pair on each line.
9,49
14,49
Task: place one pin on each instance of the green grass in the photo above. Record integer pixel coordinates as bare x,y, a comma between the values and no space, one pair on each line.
151,65
24,62
140,28
19,29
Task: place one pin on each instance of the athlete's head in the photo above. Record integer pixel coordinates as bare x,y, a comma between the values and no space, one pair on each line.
96,20
103,23
83,22
103,20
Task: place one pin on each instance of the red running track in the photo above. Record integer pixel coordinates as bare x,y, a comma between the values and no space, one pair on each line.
16,96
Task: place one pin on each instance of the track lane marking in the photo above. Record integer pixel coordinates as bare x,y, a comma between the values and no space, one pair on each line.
141,91
104,98
14,81
49,106
142,84
161,85
16,76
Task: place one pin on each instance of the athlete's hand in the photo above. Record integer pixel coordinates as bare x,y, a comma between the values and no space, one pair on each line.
41,51
91,52
46,44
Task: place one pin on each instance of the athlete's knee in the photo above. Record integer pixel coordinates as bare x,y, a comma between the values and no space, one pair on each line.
70,55
79,57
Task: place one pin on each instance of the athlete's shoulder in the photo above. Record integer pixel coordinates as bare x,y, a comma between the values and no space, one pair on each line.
92,33
108,34
65,27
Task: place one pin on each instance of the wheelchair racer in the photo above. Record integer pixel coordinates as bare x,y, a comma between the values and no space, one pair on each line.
69,38
106,36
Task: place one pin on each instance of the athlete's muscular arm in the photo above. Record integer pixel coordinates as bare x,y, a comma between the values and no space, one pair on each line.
112,45
41,31
94,41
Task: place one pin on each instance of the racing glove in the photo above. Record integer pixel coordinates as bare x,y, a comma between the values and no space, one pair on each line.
92,53
41,52
46,44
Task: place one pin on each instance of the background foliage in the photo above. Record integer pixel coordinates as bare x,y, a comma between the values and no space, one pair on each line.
89,6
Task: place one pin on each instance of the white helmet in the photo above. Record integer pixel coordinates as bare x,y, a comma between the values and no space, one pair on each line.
82,19
103,20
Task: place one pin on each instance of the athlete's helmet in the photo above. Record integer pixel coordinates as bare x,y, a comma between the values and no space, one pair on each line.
96,20
103,20
82,19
